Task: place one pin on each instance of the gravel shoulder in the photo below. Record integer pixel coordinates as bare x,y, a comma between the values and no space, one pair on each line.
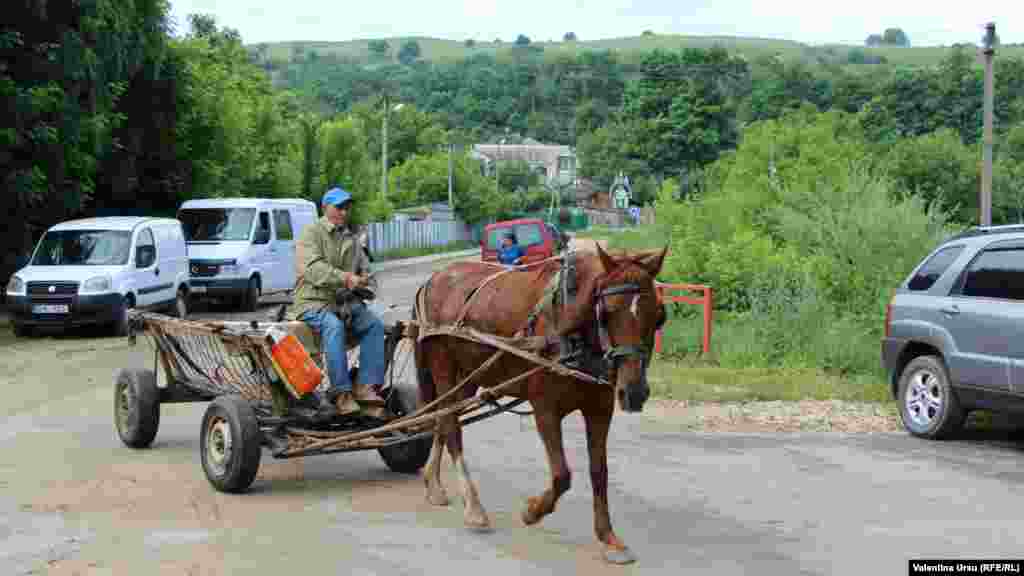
777,416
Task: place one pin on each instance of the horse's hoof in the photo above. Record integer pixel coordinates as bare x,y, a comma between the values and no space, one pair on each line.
619,556
479,527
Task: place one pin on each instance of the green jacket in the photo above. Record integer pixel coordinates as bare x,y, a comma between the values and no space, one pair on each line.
324,256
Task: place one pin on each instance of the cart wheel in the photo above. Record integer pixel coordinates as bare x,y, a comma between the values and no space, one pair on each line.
136,406
230,444
407,457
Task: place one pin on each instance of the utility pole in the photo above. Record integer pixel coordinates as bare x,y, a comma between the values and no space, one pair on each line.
384,150
497,177
451,199
985,201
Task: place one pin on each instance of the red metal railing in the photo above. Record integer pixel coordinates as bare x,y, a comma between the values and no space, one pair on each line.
705,300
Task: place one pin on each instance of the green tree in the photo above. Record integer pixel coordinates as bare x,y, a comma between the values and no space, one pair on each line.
409,52
684,108
378,49
938,167
895,37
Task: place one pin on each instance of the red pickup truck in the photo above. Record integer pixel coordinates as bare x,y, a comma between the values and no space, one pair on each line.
538,239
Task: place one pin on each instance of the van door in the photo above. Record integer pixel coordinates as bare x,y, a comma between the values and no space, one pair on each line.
170,262
147,280
284,249
263,252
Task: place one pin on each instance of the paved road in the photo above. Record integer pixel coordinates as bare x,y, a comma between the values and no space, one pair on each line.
73,500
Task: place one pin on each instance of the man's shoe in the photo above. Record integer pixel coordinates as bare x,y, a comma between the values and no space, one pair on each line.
346,404
367,395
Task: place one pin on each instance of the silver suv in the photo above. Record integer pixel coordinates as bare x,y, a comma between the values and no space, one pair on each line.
954,332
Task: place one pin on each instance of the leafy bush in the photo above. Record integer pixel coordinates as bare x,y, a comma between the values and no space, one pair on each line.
801,258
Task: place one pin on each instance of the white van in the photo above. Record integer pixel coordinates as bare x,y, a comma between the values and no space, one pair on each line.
242,248
91,271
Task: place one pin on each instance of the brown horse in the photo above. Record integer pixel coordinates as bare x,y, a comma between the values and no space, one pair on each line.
614,310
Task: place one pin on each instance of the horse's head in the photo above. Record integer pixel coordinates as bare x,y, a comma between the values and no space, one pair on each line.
628,311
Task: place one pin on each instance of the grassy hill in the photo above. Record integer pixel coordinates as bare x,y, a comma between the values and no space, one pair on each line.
630,48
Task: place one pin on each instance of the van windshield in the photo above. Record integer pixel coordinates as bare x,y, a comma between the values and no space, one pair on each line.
83,248
216,224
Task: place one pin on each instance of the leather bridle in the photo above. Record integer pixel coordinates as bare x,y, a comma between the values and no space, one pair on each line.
611,353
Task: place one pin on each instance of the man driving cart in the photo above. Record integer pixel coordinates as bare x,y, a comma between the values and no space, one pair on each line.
332,284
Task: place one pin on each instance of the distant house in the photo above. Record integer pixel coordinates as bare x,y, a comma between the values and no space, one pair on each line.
588,196
555,163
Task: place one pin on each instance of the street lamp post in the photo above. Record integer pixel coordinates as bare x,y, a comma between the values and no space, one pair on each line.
384,145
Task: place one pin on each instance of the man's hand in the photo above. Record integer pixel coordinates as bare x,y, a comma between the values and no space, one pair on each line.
353,281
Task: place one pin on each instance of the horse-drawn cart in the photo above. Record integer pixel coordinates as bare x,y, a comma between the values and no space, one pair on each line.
231,365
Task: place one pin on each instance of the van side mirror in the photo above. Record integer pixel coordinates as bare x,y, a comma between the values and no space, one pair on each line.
145,256
262,236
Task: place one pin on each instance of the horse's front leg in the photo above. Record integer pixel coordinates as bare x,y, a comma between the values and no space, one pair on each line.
598,418
549,426
474,515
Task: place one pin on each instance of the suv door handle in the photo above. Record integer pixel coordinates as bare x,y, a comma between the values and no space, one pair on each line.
157,271
952,310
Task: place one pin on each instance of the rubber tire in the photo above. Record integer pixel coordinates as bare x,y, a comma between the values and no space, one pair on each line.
951,419
21,330
179,309
407,457
143,417
251,299
244,460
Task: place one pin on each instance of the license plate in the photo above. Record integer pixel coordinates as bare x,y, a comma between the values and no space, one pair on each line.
199,289
50,309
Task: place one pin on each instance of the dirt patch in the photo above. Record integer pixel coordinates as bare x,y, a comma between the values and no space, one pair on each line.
778,416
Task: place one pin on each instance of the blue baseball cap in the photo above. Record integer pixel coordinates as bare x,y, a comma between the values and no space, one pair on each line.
337,197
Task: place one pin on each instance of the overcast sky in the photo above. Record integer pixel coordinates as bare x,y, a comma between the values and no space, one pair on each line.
926,23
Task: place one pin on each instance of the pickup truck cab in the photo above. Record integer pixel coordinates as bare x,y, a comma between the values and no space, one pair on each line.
538,239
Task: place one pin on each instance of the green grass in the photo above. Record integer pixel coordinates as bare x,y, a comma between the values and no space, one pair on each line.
699,381
631,239
401,253
834,362
804,355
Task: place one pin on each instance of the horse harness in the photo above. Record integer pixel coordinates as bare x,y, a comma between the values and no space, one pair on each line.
574,349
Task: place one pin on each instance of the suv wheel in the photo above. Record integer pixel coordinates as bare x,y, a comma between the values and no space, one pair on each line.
929,407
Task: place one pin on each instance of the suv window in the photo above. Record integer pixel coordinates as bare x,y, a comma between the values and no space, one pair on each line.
283,223
996,273
934,268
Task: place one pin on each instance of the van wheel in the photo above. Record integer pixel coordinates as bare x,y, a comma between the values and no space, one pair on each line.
929,407
21,330
251,299
180,307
